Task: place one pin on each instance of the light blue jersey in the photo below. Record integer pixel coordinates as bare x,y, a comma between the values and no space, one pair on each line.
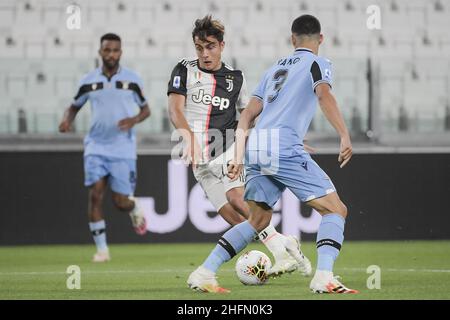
275,158
287,91
111,100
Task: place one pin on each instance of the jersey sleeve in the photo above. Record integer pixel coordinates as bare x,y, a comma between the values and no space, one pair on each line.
243,95
138,94
82,94
261,88
321,72
178,79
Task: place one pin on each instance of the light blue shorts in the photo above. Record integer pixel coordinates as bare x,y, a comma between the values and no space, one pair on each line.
121,173
299,172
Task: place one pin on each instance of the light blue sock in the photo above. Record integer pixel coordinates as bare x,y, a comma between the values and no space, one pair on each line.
99,234
232,242
329,240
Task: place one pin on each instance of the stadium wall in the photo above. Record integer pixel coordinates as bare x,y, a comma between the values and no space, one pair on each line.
389,197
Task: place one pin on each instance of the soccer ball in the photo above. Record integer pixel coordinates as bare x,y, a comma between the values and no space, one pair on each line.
252,267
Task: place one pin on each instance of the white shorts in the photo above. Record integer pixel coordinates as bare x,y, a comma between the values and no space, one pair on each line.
213,178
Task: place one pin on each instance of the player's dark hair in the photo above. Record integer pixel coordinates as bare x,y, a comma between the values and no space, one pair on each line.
208,27
110,36
307,25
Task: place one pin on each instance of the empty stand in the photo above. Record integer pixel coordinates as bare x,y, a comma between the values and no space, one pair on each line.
41,61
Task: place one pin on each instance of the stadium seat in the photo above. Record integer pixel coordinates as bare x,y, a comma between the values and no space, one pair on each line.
11,47
189,11
83,47
167,15
56,47
8,13
144,14
122,14
17,85
34,49
28,14
98,15
237,11
9,117
65,86
285,11
40,85
53,14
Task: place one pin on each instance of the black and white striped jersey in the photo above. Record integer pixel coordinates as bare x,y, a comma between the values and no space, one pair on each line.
212,101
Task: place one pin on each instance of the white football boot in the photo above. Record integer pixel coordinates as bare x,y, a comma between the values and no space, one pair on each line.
204,280
138,219
294,260
282,266
101,256
303,263
326,282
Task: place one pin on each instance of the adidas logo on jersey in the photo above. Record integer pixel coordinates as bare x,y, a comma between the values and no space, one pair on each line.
197,84
215,101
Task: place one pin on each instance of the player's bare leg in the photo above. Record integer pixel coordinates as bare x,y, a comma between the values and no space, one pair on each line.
260,215
282,247
230,215
235,198
329,240
95,200
96,221
129,204
331,203
122,202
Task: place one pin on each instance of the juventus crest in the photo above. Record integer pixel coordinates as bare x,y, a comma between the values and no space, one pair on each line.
229,84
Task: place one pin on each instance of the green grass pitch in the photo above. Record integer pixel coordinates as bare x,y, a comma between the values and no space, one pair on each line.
409,270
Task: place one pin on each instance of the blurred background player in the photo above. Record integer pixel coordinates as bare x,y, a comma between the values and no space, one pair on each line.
204,95
285,102
110,147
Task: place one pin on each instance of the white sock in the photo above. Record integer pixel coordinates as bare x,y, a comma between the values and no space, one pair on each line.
135,211
274,241
323,274
99,234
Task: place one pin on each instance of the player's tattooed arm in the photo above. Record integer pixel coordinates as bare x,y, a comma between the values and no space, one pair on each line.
331,111
68,117
128,123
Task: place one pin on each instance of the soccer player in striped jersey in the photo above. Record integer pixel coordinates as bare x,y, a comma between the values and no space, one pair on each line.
204,97
115,93
285,101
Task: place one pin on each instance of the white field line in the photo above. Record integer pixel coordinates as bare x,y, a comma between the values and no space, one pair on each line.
39,273
399,270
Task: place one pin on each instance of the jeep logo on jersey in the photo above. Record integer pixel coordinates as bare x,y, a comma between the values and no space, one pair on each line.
222,103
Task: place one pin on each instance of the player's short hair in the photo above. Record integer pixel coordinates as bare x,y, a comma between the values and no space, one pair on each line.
206,27
110,36
306,25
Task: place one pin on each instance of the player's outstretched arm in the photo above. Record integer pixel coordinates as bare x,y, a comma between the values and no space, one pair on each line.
144,113
331,111
68,117
192,150
128,123
248,116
